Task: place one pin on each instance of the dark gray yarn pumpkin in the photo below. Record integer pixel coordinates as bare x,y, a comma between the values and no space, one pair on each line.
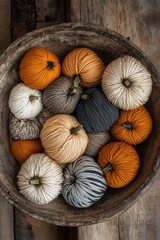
84,182
62,95
95,112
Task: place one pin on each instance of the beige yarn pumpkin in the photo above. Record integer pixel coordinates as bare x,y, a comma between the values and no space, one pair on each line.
126,83
63,138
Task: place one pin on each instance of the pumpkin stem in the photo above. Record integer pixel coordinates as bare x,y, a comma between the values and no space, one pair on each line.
127,125
35,181
76,83
50,65
76,129
107,168
32,98
72,178
127,83
85,97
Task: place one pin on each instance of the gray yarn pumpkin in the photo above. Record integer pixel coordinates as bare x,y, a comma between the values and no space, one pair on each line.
62,95
96,141
28,128
84,182
95,112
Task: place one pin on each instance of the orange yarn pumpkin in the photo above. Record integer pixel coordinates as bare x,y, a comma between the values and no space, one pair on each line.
23,149
119,162
133,126
85,63
39,67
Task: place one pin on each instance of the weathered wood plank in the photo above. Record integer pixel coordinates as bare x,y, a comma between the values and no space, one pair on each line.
6,220
140,22
5,20
101,231
6,209
49,12
28,228
23,17
142,221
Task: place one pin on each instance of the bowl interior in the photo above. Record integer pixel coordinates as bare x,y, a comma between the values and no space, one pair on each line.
61,39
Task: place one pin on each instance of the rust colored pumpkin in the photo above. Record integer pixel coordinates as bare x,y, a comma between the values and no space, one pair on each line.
120,163
23,149
133,126
39,67
85,63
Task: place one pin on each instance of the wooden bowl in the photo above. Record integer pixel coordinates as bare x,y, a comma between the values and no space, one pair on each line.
109,45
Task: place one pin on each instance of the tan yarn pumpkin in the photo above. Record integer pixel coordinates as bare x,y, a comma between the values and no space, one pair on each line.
63,138
85,63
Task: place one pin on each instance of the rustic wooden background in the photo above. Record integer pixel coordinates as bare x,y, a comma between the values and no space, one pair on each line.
137,20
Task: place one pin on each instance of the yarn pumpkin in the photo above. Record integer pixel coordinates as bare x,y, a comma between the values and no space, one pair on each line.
96,141
25,102
85,63
24,129
63,138
28,128
62,95
40,179
84,182
127,83
133,126
23,149
39,67
95,112
120,163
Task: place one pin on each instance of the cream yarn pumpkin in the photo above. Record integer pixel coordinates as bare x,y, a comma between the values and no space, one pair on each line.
63,138
40,179
25,102
28,128
127,83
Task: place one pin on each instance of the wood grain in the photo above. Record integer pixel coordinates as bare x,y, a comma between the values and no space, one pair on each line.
6,220
5,24
6,209
23,17
49,12
28,228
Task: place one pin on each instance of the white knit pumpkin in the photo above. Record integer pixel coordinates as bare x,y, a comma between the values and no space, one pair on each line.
40,179
126,83
25,102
